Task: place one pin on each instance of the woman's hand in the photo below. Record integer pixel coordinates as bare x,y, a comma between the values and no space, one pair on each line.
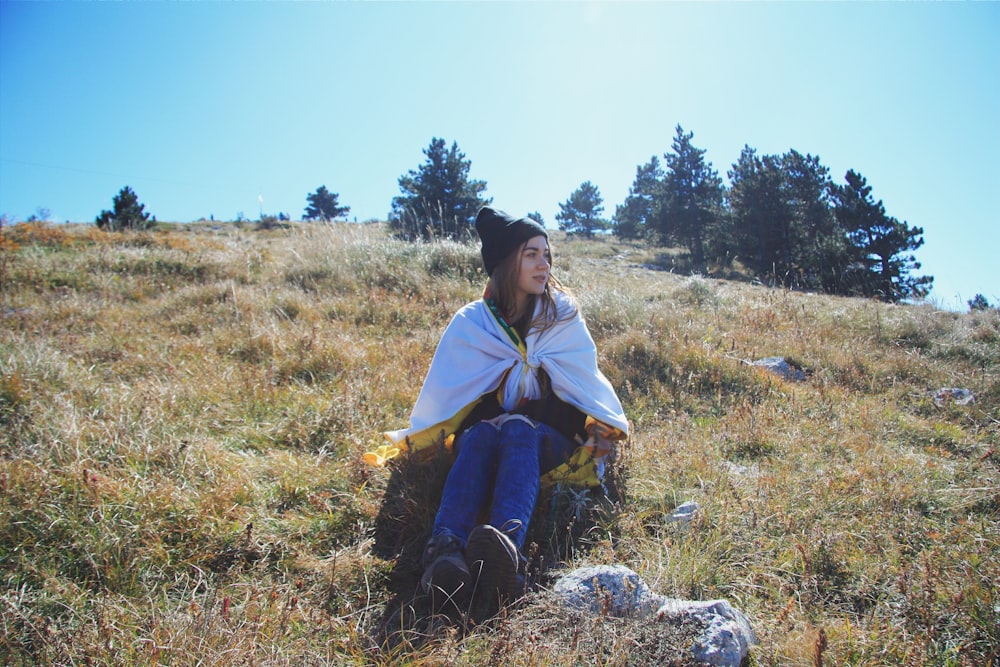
598,440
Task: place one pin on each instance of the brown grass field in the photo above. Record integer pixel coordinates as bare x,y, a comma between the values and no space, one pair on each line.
183,413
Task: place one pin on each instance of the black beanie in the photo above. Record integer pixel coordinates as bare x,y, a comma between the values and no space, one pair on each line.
501,234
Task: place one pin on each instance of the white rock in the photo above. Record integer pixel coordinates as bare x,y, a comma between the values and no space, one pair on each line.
780,367
736,469
727,637
616,590
684,513
607,589
953,395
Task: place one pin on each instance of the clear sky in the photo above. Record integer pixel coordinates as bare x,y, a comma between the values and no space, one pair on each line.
210,108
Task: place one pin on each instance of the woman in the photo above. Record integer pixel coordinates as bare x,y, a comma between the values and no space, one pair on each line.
515,378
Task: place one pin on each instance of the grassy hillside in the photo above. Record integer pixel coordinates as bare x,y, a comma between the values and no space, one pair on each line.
183,412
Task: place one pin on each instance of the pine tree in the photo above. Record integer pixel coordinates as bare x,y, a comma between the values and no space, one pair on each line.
127,213
439,200
757,213
783,225
692,198
634,218
581,213
978,302
323,205
818,248
879,245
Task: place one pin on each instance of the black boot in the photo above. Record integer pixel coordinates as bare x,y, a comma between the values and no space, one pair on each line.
496,568
446,579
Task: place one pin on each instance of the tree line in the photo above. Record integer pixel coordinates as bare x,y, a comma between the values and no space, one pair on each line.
781,219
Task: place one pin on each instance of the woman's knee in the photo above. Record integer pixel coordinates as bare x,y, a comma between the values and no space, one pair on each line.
518,432
481,438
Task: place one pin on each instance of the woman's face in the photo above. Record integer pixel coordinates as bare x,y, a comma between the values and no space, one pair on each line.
533,269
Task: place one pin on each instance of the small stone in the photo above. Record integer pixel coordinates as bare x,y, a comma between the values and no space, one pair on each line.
954,396
779,366
684,513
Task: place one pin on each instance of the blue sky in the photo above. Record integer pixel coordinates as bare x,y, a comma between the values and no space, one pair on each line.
205,108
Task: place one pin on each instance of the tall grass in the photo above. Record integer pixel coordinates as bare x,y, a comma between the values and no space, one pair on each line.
183,412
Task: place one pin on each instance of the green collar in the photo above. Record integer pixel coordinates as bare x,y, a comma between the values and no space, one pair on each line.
503,323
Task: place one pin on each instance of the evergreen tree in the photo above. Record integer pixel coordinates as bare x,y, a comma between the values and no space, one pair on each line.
126,213
323,205
581,213
978,302
537,217
782,220
634,218
439,200
817,245
757,212
880,245
693,198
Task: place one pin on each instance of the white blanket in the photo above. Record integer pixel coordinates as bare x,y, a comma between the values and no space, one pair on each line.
475,354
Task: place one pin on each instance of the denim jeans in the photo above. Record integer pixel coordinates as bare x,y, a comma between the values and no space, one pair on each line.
499,469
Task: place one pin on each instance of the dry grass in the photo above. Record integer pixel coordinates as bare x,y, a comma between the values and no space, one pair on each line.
183,411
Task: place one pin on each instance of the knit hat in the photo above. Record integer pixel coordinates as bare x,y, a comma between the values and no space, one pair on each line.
501,234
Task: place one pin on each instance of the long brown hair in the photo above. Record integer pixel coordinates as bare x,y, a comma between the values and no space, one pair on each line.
502,288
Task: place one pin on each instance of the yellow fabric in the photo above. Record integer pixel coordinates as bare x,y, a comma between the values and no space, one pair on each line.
580,471
419,441
381,455
595,427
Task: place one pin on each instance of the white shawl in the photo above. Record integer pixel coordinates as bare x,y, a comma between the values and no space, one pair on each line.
475,354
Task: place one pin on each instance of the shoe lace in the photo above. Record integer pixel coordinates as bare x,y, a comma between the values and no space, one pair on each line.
511,526
440,544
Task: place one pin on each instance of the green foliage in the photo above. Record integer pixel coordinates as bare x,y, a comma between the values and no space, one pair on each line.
691,208
682,204
439,201
41,214
978,302
635,218
268,222
783,226
323,205
581,213
127,213
782,220
878,245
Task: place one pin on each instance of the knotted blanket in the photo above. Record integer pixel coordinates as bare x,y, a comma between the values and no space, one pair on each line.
477,355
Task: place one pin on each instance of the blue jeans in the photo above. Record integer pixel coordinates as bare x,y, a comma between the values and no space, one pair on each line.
499,470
